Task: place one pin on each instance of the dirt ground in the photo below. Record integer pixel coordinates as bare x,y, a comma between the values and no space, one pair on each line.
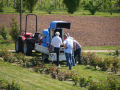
87,30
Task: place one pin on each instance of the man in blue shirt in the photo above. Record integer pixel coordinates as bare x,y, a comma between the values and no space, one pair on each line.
68,45
56,42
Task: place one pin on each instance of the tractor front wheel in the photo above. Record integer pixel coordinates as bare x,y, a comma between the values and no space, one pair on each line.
18,46
27,49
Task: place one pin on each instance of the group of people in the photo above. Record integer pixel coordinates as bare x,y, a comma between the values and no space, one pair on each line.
71,49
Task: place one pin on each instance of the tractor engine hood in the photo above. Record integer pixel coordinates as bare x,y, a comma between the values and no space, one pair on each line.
60,24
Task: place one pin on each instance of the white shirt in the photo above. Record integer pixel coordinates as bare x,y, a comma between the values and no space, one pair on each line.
69,44
56,41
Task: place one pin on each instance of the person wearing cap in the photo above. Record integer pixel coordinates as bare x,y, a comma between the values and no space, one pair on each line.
73,59
56,42
68,45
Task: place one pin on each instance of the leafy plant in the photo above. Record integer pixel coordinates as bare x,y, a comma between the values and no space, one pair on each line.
4,31
30,5
111,83
92,6
75,78
72,6
115,65
17,6
1,6
14,31
84,81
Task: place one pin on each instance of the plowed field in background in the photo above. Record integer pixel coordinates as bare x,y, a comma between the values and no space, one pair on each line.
87,30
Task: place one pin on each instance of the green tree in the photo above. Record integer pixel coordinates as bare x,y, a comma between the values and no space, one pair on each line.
71,5
17,6
30,5
1,6
92,6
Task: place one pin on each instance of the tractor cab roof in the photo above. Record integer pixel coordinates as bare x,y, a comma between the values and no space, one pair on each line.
60,24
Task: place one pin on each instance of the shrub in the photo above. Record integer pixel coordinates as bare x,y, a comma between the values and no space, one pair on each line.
115,65
4,51
14,31
84,81
9,58
4,31
93,60
75,78
49,8
4,85
93,86
111,83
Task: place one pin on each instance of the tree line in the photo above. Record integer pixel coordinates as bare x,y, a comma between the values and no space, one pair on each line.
72,6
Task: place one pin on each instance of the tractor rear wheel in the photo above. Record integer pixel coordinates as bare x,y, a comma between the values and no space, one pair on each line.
27,48
18,46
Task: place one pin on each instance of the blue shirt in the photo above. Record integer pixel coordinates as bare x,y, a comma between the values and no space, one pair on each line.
69,44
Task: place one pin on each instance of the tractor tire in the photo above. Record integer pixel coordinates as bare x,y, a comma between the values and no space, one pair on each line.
18,46
27,48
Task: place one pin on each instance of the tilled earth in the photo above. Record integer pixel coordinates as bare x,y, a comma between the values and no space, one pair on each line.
87,30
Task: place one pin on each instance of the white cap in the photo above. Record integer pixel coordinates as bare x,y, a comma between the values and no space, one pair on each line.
57,33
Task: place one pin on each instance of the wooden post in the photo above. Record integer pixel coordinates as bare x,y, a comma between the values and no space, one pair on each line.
20,17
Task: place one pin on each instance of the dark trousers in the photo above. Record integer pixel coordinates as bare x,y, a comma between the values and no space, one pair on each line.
77,52
57,51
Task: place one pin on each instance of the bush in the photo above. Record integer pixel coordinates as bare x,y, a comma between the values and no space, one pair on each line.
9,58
115,65
4,51
72,6
4,31
14,31
4,85
49,8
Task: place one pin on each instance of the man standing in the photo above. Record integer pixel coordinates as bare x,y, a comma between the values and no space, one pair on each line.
68,45
56,42
73,59
77,51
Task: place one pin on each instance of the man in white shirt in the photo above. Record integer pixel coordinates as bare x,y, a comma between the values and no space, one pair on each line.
56,42
73,59
68,45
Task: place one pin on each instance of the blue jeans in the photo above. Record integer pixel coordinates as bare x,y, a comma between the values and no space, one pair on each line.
69,60
57,51
73,59
77,52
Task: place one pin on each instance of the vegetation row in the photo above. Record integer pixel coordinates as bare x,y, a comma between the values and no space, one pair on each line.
63,74
71,7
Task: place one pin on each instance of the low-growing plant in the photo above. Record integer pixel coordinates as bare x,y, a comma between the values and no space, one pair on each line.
4,31
9,58
115,65
84,81
4,51
61,76
93,60
75,78
5,85
93,86
111,83
35,61
20,56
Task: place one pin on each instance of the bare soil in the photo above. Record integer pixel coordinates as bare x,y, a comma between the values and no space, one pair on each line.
87,30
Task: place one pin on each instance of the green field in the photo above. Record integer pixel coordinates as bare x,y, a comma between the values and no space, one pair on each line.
80,12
